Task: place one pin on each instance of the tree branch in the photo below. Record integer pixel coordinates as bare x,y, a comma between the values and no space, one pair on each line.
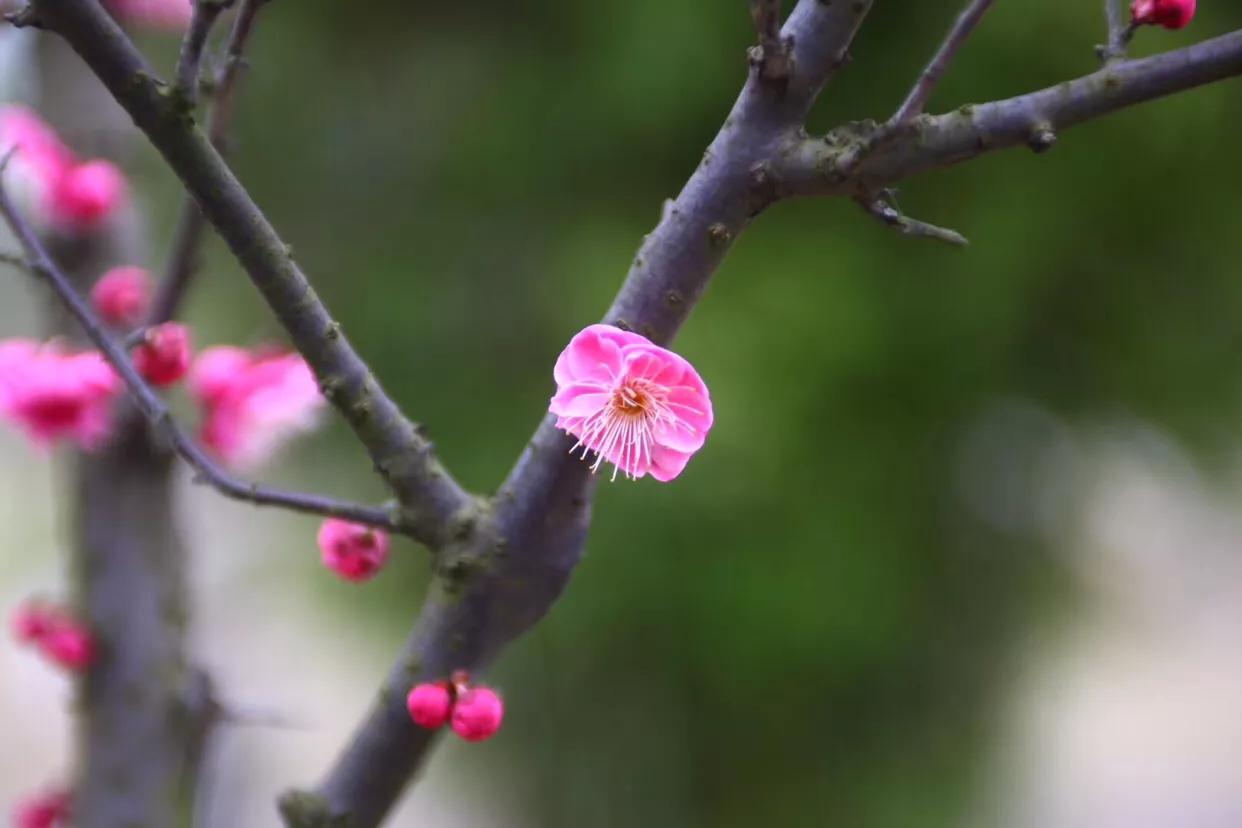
189,63
431,501
926,84
1120,31
152,407
511,565
884,208
812,166
183,256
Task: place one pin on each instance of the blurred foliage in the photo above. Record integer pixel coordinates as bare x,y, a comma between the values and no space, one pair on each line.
807,628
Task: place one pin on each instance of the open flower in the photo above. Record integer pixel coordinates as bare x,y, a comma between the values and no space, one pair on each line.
54,395
253,402
636,405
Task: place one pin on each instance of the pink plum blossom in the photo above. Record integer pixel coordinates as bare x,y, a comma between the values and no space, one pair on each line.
172,15
164,355
55,395
48,809
477,714
49,183
122,295
429,704
636,405
253,402
351,550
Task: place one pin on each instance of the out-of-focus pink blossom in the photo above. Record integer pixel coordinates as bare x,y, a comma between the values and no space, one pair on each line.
122,295
636,405
253,402
351,550
31,622
477,714
1172,14
60,637
158,14
39,158
49,183
48,809
429,704
86,194
164,355
69,645
55,395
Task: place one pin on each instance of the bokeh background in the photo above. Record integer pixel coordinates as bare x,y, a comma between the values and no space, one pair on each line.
964,547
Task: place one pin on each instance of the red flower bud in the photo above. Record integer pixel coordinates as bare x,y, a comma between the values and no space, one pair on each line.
1172,14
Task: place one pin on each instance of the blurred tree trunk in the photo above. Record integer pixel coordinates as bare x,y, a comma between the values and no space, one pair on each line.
142,705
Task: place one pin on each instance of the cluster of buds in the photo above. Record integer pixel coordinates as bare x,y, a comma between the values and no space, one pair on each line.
351,550
52,393
54,187
473,712
1171,14
60,637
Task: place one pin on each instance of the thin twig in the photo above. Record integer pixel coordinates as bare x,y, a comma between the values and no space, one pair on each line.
152,407
189,63
1120,31
185,253
926,84
885,209
773,56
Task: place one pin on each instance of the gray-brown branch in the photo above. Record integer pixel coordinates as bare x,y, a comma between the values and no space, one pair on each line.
187,241
506,563
431,501
926,84
152,407
878,157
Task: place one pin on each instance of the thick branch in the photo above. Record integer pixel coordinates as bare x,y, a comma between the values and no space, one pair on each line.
429,497
511,567
926,84
152,407
184,254
812,165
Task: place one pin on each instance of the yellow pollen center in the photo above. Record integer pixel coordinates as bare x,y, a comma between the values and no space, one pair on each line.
630,402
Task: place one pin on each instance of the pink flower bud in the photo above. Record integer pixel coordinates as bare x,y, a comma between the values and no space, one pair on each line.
351,550
69,645
1172,14
429,705
477,714
122,295
164,356
30,623
86,194
44,810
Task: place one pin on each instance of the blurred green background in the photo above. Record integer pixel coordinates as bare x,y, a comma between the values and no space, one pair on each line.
810,626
